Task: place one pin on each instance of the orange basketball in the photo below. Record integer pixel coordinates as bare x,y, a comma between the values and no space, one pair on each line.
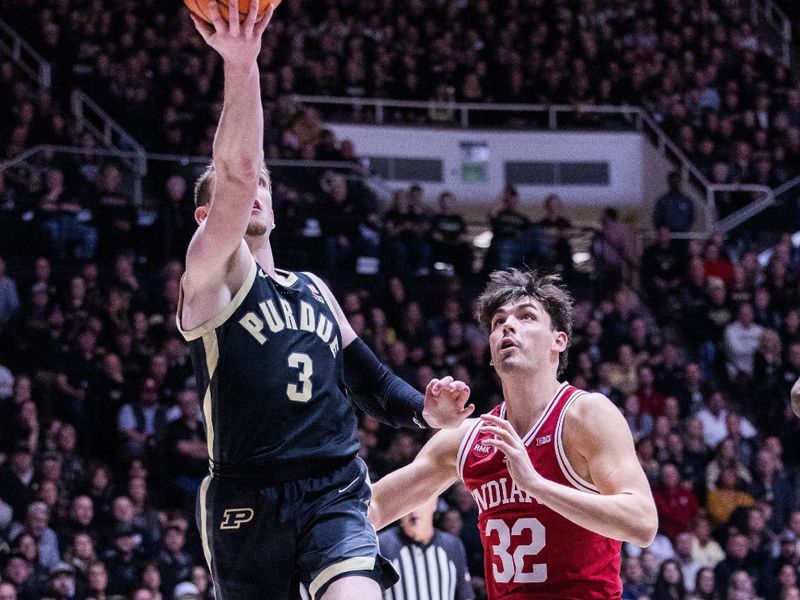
200,8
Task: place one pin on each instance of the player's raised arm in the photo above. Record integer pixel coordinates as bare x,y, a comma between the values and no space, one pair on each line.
429,474
382,394
238,145
595,429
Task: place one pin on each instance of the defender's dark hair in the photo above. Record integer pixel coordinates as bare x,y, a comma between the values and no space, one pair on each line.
512,284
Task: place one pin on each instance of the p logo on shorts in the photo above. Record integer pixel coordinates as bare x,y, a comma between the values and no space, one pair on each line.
233,518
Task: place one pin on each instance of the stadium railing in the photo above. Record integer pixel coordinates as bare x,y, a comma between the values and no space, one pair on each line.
29,61
770,18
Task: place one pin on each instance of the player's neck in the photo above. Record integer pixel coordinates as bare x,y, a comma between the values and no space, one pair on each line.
526,397
261,250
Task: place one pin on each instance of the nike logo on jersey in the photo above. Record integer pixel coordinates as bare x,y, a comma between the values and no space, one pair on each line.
349,485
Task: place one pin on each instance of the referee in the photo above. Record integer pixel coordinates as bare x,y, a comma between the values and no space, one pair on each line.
432,563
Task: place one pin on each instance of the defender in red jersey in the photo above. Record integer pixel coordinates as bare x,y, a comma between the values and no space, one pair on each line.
553,469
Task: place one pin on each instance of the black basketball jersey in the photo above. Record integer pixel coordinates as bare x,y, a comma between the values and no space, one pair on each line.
269,368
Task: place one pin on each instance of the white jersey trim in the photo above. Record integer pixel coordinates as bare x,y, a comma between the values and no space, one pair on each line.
223,315
569,472
546,413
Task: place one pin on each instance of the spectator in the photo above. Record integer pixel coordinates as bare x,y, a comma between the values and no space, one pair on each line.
727,497
633,578
97,582
408,251
36,524
9,298
177,218
684,558
640,424
726,458
121,559
7,591
79,520
612,249
113,211
151,579
175,563
16,477
661,270
449,235
741,342
60,216
142,424
737,559
62,582
674,210
705,587
669,584
185,443
772,485
676,503
509,228
714,418
342,220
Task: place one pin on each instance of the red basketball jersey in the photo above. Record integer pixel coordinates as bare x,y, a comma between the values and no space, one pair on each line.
530,551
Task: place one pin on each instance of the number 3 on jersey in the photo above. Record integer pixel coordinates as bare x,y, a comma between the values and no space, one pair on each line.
512,566
301,391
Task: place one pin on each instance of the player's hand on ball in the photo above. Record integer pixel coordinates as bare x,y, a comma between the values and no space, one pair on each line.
444,403
507,441
237,43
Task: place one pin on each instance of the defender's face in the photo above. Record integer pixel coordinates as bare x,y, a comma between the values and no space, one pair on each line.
522,337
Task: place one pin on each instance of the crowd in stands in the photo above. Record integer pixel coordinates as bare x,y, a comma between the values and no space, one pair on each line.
102,444
714,82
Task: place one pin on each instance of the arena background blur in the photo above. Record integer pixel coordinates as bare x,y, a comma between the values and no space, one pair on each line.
648,151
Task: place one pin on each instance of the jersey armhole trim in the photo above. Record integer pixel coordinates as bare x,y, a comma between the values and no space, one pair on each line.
221,316
566,468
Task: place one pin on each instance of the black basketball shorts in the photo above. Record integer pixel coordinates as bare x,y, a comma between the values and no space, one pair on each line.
260,541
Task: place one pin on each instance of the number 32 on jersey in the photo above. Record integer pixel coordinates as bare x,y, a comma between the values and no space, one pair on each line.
512,561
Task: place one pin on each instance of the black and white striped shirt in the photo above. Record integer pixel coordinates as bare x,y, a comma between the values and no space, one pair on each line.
433,571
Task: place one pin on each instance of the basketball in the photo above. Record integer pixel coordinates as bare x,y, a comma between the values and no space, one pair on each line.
200,8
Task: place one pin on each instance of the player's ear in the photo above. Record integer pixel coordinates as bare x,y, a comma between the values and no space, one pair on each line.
560,341
200,214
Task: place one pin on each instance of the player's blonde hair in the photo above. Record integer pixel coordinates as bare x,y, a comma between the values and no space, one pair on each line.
512,284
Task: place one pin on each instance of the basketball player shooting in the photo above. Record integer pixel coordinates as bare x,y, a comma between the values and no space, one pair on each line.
553,469
287,495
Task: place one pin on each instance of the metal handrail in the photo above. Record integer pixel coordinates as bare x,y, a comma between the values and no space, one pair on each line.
26,154
112,133
778,21
19,49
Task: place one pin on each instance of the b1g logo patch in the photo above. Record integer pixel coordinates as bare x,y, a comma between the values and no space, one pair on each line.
233,518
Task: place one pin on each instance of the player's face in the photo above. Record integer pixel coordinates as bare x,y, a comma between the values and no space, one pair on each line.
522,338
